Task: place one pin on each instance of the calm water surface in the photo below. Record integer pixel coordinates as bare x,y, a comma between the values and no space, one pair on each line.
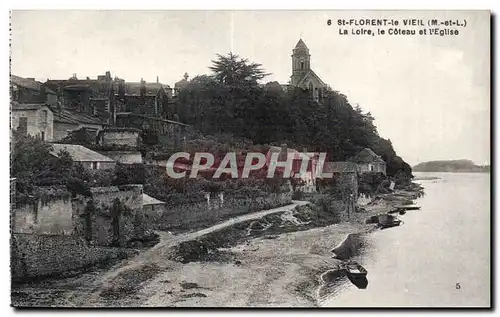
439,257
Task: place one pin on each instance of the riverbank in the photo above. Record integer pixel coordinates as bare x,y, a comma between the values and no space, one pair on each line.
278,258
282,260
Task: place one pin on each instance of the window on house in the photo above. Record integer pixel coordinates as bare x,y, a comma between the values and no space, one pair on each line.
43,116
94,165
15,93
23,125
371,168
42,135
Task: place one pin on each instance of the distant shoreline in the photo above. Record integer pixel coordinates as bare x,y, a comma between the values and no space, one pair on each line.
451,166
425,178
450,172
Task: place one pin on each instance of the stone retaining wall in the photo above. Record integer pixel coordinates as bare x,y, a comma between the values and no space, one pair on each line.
34,255
195,215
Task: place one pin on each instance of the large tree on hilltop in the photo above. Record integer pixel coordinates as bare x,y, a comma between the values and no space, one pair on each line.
232,70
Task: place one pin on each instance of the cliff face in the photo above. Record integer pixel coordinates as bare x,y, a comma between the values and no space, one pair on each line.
451,166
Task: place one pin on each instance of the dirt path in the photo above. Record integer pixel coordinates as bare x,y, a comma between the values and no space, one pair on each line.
156,260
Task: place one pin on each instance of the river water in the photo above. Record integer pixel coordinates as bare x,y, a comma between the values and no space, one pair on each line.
439,257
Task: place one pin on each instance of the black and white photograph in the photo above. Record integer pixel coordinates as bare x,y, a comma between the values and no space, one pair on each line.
250,158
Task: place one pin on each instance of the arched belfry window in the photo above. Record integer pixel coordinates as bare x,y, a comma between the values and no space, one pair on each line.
301,64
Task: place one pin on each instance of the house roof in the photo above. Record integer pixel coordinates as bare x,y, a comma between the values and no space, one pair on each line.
25,82
148,200
121,129
134,88
311,73
77,87
28,106
130,114
339,167
74,117
28,83
79,153
367,156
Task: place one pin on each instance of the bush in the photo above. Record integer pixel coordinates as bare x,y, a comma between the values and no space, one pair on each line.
129,174
372,183
81,136
298,195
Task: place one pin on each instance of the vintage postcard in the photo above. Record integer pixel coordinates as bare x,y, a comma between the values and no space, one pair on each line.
250,159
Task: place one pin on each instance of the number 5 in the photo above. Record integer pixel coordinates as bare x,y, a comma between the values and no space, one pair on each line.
457,286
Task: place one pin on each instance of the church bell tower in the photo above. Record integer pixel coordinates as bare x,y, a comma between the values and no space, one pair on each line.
301,62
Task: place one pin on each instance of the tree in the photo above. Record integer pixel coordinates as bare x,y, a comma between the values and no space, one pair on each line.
33,164
234,71
81,136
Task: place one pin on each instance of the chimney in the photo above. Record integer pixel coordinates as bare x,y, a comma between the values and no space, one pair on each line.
143,88
157,79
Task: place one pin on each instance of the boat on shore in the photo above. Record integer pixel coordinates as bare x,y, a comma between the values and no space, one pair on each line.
354,269
408,207
391,224
388,221
397,211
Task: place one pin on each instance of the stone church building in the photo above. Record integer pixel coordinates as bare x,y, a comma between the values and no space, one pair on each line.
302,74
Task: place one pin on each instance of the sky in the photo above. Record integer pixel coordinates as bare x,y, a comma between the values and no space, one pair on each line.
430,95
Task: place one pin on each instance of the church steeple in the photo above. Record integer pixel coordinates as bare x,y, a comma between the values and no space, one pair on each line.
301,44
301,62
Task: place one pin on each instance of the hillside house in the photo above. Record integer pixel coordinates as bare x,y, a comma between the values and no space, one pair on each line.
345,175
93,97
152,207
146,98
308,177
29,91
67,120
367,161
32,119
